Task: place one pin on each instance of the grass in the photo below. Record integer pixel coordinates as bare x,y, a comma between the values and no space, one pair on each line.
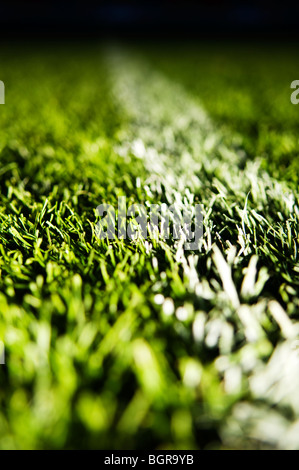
140,344
246,89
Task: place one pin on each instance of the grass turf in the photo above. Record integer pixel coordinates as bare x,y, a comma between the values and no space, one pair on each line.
245,88
140,345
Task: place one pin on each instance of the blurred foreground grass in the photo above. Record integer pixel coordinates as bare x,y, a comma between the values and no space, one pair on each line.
140,345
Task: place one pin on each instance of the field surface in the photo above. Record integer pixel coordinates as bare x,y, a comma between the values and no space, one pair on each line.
141,344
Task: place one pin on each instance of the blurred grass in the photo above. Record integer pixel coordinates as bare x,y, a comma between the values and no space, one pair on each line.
93,360
246,89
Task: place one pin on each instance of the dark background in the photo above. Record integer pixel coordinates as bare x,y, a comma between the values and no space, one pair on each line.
152,19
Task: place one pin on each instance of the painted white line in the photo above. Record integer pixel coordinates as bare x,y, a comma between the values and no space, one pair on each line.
169,130
179,143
